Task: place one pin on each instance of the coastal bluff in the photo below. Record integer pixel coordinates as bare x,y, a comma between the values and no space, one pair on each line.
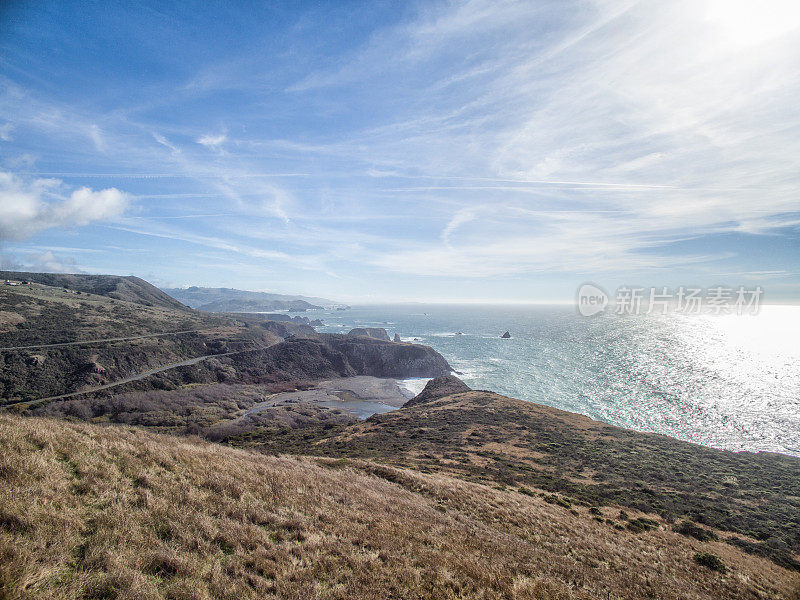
384,358
378,333
439,387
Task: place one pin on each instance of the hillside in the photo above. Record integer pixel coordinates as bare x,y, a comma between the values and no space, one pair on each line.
177,401
458,494
232,300
750,500
129,289
115,512
56,341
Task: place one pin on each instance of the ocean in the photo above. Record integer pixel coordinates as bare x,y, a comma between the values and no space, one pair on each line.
723,381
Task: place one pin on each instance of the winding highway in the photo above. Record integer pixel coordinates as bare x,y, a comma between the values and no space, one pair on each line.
103,340
142,375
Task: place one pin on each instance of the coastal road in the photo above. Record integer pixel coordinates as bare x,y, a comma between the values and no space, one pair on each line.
142,375
103,340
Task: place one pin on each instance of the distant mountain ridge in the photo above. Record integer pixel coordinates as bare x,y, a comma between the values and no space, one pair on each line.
127,288
233,300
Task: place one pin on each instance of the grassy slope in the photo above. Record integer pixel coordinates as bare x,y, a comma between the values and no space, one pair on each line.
754,498
112,512
48,315
129,289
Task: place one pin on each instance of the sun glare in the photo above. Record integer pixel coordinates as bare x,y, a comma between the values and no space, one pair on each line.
747,22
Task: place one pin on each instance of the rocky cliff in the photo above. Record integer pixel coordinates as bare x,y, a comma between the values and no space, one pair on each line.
378,333
380,358
286,329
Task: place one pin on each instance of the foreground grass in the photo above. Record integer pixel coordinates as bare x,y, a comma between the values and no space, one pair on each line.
751,499
112,512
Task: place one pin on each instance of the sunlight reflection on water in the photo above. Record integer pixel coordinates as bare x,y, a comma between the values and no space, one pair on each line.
725,381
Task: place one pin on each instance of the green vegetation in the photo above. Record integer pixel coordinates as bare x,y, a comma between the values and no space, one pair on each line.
642,524
699,533
712,561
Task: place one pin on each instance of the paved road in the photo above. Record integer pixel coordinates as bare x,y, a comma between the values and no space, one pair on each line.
104,340
142,375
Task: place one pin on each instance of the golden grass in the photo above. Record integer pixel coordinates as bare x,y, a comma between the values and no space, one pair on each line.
113,512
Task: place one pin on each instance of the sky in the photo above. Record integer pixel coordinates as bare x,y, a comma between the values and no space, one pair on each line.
404,151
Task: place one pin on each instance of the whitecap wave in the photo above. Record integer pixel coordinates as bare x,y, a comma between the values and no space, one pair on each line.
413,385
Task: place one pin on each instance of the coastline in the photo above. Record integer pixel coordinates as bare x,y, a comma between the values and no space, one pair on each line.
666,375
361,396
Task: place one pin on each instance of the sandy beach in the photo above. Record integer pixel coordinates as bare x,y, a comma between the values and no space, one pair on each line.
361,396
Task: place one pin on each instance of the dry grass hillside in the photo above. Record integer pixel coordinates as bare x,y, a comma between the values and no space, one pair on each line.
750,500
112,512
130,288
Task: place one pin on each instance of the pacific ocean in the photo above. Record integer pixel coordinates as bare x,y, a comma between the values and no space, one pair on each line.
725,381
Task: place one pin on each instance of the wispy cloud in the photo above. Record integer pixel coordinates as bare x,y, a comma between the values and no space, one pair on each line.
212,141
166,143
470,139
5,132
96,136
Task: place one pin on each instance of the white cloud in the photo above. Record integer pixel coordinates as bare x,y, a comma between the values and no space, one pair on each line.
50,263
643,123
39,260
212,141
460,218
28,205
96,136
5,132
166,143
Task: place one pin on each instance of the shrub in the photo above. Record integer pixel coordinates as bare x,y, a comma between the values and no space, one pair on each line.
689,529
712,561
642,524
553,499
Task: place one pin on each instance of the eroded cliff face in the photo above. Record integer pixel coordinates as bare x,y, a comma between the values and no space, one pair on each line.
379,333
379,358
287,329
331,355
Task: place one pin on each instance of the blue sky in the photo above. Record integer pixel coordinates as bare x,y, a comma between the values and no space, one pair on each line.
495,151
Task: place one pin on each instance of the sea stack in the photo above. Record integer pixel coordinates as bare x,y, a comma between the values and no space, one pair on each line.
397,337
506,335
